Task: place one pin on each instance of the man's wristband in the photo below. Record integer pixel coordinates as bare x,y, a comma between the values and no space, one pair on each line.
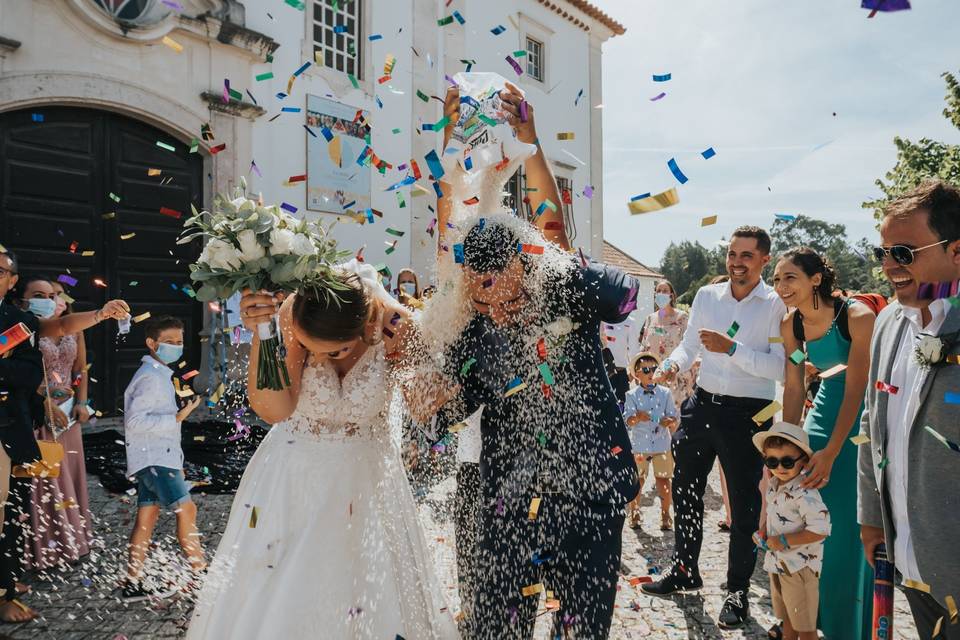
783,541
732,350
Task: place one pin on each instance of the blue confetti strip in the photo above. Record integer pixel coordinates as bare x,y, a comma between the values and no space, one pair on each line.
709,153
327,133
497,30
456,14
303,67
290,109
434,163
672,163
639,197
664,78
458,253
374,37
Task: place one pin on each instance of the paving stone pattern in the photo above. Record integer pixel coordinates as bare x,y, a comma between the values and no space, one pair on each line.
81,601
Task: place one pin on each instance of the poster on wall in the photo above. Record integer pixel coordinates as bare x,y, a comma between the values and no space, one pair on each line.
334,179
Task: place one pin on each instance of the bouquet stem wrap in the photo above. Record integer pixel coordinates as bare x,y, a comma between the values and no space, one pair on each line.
272,364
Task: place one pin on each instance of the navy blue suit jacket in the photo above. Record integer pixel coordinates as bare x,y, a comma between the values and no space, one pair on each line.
21,374
568,438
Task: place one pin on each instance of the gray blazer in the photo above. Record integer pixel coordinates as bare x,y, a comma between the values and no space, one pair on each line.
933,482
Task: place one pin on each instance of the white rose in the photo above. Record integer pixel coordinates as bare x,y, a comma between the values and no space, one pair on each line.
250,249
560,327
281,241
220,255
303,245
930,349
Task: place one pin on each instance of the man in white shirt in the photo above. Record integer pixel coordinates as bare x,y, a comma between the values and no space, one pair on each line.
908,474
730,329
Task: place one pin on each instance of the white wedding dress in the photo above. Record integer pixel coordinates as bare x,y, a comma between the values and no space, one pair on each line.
334,548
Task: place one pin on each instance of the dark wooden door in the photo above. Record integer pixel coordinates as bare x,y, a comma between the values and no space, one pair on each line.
62,171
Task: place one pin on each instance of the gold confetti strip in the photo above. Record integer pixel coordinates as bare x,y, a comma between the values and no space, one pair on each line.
173,44
87,254
936,628
153,172
533,589
457,427
534,508
767,412
253,518
919,586
951,609
65,504
143,316
566,135
709,220
860,439
775,340
199,438
127,236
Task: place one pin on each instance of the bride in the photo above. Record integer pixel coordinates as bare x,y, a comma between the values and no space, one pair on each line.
323,539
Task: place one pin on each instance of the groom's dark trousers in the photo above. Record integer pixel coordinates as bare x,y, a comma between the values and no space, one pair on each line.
571,549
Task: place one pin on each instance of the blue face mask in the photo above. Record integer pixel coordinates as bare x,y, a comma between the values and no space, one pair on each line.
169,352
662,299
42,307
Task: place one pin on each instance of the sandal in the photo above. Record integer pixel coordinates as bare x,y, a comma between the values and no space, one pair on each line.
723,526
31,614
666,522
775,632
635,520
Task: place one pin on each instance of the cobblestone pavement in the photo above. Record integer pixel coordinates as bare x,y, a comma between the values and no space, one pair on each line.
81,602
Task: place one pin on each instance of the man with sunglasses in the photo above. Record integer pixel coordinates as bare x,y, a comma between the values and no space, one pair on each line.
730,328
908,474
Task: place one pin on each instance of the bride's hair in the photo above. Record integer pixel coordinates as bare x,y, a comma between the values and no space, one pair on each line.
343,317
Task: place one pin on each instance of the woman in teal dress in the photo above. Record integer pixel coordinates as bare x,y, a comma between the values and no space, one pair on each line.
832,331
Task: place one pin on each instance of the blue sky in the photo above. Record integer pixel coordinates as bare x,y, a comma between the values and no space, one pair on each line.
759,81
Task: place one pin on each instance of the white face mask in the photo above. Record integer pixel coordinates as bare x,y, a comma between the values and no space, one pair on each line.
409,288
662,299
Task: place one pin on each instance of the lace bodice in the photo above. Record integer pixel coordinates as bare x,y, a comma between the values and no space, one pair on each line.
58,358
357,406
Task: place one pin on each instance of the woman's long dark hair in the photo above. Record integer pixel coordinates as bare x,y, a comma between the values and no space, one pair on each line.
339,317
812,263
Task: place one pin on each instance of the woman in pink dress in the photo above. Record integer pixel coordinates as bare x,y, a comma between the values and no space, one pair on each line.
60,524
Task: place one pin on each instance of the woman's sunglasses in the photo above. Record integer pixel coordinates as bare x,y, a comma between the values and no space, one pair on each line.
787,462
901,253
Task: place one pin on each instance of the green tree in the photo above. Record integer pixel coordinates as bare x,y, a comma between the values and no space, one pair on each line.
684,263
918,161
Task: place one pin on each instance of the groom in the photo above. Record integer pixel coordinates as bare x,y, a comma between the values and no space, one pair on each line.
908,475
556,464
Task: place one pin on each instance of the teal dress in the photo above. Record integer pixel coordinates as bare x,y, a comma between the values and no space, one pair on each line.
846,580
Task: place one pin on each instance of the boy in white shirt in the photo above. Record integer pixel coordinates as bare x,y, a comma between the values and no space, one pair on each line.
797,524
154,457
651,417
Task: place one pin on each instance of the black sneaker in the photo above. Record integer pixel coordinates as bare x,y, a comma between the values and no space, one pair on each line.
673,581
138,592
735,610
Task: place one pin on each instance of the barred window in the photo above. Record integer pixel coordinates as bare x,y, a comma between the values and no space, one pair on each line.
565,187
336,35
513,195
535,59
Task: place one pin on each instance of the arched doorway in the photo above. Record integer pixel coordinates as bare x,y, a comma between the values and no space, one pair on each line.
87,180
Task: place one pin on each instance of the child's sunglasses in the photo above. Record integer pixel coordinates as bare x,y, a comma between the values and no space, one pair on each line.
787,462
646,369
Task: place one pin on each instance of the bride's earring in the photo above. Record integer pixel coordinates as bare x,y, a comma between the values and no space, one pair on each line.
816,299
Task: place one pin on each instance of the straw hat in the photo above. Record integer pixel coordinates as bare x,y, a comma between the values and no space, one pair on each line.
643,354
787,431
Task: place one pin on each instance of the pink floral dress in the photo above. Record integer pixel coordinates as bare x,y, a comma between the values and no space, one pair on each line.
59,512
660,336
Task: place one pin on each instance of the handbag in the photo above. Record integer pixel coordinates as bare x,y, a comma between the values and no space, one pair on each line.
51,451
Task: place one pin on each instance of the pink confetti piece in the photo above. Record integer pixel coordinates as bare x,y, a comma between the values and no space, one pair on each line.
658,97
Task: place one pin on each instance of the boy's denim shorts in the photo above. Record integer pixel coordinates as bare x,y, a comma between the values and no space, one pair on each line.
161,486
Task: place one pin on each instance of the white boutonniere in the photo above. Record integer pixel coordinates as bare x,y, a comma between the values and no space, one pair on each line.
561,327
931,350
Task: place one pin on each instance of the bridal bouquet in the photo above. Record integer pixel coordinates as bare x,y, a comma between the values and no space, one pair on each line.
257,247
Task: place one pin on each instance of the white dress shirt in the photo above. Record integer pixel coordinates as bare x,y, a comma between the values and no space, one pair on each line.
752,371
150,425
908,376
650,436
